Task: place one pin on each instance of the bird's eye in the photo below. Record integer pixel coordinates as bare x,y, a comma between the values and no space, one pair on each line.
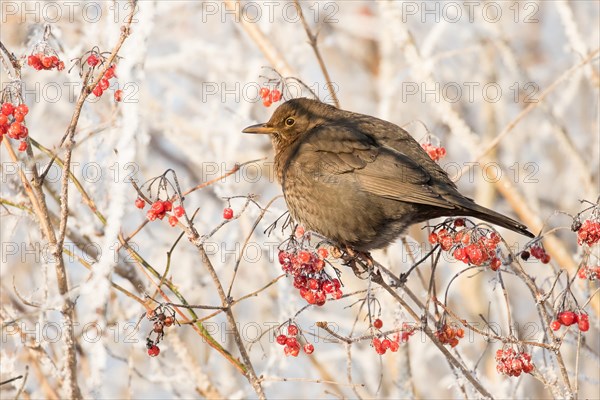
290,121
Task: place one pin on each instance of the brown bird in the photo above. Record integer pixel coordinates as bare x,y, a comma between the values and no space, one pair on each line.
359,180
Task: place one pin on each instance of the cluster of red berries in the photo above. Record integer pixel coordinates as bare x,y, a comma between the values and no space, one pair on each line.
590,273
11,123
269,96
568,318
307,268
162,317
290,341
104,83
512,363
160,208
436,153
589,232
381,345
41,61
537,251
449,335
475,246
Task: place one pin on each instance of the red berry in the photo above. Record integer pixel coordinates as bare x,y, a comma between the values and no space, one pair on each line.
446,242
173,220
46,61
322,252
555,325
320,298
118,95
308,296
104,84
309,348
3,119
294,350
313,284
60,66
23,109
178,211
537,252
275,95
264,92
300,282
167,205
292,330
583,323
97,91
337,294
151,215
14,131
7,108
158,207
140,203
92,60
304,257
299,232
465,239
459,254
377,324
495,264
24,132
267,102
32,60
153,351
545,258
328,287
110,72
474,253
282,339
433,238
228,213
23,146
567,318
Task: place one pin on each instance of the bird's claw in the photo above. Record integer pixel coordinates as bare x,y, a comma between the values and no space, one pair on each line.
354,259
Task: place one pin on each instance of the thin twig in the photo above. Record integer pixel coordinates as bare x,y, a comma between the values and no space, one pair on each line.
312,40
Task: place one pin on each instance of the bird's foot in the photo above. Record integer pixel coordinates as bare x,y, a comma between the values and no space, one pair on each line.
403,278
360,262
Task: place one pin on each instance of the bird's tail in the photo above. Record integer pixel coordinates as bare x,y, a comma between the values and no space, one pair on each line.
477,211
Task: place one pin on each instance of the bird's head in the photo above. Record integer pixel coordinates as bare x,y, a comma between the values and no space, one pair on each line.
291,120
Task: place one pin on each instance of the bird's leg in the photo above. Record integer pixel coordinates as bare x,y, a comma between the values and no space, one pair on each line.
404,275
349,259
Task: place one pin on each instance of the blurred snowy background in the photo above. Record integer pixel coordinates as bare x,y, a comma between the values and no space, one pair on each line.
190,72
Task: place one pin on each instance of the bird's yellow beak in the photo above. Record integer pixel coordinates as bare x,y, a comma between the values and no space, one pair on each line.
259,128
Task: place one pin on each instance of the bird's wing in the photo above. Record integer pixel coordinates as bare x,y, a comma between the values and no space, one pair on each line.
393,136
342,151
